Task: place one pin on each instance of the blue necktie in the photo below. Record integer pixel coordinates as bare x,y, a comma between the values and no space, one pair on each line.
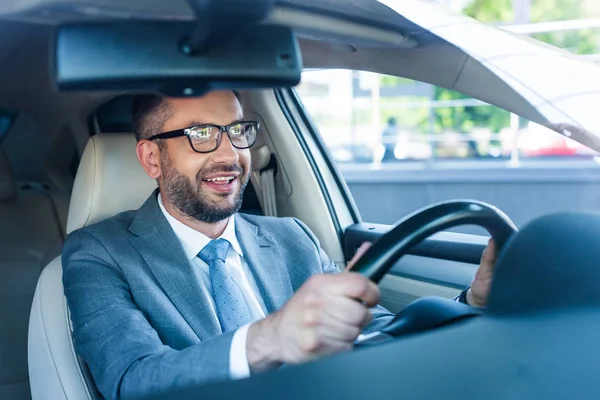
232,309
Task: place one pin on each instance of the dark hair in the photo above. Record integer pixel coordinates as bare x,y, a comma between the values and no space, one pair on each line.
149,112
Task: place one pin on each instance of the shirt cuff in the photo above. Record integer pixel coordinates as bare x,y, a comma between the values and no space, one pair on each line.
238,359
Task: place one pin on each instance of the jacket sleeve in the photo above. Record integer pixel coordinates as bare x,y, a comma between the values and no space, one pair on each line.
381,316
124,353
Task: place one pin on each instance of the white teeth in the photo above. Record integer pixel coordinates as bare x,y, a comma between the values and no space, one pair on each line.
221,178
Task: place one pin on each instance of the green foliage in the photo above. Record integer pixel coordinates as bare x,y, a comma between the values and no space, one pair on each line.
490,10
412,118
464,119
393,81
579,41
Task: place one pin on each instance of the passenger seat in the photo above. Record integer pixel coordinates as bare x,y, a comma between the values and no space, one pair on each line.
31,235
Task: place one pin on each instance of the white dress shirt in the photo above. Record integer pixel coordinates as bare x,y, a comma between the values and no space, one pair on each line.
193,242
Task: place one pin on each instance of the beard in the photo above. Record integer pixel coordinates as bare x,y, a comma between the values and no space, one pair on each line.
192,201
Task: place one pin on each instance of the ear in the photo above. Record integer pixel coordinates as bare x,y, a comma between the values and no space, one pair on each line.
149,155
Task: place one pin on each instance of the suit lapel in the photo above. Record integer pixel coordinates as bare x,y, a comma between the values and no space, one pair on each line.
164,255
266,263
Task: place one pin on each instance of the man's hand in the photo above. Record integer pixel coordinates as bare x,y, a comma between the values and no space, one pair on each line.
480,287
325,316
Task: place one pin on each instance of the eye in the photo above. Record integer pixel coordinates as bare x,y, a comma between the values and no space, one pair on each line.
200,132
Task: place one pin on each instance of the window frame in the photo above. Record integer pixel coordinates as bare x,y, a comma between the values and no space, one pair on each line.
313,132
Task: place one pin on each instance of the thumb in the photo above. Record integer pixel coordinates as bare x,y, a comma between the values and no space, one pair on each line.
359,253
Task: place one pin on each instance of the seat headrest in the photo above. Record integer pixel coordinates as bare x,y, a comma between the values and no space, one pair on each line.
109,180
8,186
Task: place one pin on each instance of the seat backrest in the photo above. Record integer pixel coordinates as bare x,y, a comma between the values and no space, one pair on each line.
109,180
54,371
31,234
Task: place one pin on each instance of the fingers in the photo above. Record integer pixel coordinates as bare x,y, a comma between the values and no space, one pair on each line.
347,311
480,286
359,253
492,248
334,323
347,284
325,316
335,329
316,344
489,254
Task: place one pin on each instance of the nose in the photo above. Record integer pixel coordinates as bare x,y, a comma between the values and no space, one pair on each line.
226,153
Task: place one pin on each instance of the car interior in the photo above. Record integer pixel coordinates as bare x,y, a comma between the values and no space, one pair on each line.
67,160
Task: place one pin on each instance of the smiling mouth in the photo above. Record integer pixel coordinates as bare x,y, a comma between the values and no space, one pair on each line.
222,180
222,184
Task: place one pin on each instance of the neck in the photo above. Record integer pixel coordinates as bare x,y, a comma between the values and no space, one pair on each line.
211,230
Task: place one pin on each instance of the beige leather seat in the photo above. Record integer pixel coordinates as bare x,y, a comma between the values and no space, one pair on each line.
109,180
31,234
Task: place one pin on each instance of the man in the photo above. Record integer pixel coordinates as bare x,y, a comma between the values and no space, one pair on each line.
389,137
185,290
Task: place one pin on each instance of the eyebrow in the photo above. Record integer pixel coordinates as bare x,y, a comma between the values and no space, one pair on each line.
196,123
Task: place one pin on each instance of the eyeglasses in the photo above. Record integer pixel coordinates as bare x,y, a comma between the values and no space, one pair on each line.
207,138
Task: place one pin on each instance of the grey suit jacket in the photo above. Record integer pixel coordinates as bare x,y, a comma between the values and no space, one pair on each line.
141,320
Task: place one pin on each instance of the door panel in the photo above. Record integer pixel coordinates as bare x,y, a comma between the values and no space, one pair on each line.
441,265
397,292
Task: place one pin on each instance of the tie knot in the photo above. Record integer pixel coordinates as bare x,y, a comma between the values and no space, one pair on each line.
215,249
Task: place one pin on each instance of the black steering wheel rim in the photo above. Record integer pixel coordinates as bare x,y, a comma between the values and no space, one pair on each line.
421,224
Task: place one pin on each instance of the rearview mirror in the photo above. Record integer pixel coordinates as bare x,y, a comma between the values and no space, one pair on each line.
148,56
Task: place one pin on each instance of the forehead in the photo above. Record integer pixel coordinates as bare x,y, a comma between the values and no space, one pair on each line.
220,108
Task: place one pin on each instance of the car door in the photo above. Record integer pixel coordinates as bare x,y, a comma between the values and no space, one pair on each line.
441,266
494,159
431,162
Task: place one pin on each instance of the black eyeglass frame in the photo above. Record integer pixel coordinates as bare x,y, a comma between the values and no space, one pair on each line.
222,129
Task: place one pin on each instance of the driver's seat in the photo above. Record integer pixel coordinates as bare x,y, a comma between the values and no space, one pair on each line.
109,180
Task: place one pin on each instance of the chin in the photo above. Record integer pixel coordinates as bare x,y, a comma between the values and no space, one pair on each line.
226,203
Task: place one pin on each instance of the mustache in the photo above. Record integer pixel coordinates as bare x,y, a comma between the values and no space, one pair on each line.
214,169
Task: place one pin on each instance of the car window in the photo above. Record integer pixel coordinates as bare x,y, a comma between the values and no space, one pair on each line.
113,116
413,144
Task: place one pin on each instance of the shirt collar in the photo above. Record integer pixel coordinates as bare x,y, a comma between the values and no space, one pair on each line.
192,240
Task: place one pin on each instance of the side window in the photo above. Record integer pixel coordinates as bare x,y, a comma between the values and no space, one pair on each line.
113,116
415,144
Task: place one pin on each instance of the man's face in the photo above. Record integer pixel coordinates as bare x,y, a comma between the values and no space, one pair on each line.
194,182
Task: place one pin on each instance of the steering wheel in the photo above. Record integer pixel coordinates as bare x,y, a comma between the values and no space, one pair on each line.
430,312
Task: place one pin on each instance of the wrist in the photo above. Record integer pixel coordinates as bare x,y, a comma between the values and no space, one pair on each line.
261,346
471,300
